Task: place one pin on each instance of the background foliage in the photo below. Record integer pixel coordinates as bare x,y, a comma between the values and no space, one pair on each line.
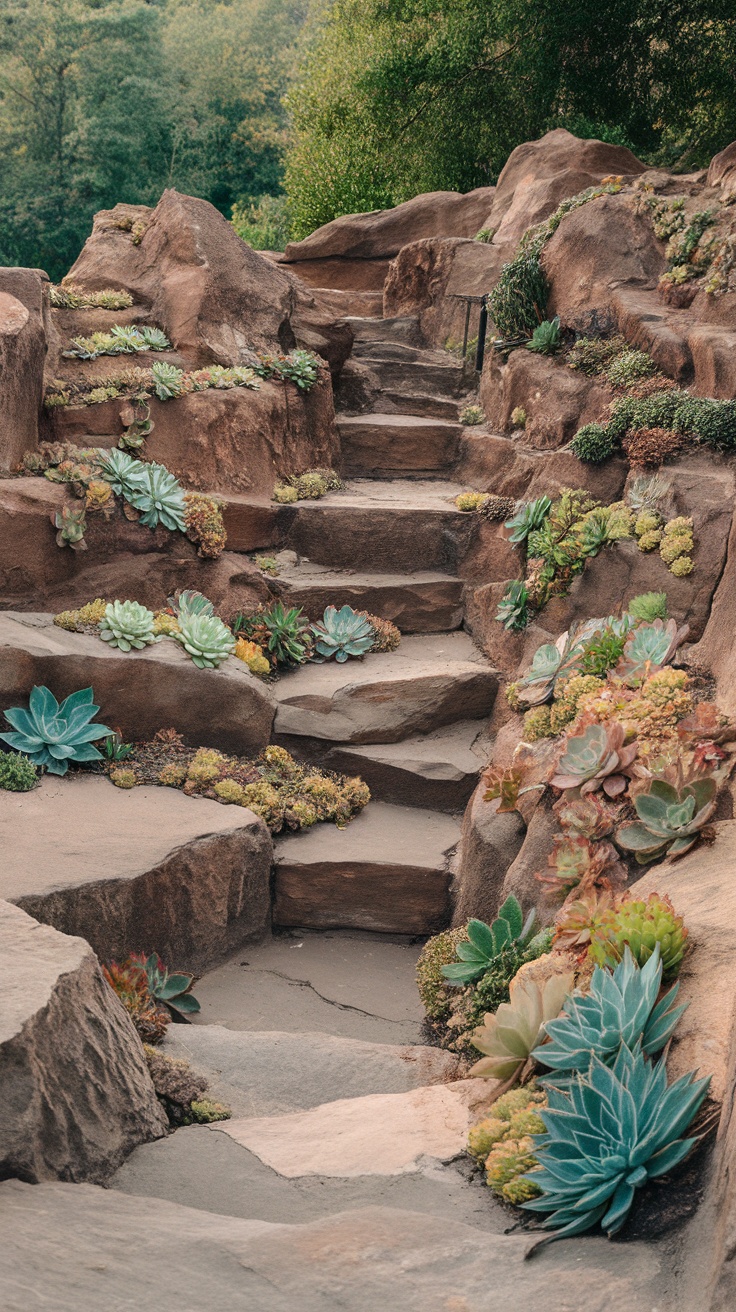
362,102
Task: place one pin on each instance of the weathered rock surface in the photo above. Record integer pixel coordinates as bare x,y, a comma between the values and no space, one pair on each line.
489,844
379,1134
269,1072
509,467
426,602
382,233
722,171
145,869
430,681
716,650
235,440
23,341
138,691
557,400
77,1096
389,871
215,297
384,445
539,174
358,1258
427,275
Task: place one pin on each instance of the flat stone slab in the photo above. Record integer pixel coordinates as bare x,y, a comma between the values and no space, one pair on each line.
348,983
267,1073
432,680
425,602
138,869
389,871
62,1248
381,445
77,1096
138,692
381,1134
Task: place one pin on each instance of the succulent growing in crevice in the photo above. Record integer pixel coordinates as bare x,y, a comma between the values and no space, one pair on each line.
127,624
71,523
669,819
167,380
207,640
595,757
484,942
640,926
648,648
513,608
508,1038
172,991
530,515
342,633
52,734
606,1136
285,634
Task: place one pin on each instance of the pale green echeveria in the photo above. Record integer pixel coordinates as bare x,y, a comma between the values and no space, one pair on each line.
508,1037
159,496
121,471
207,640
620,1007
189,602
128,625
52,734
606,1136
669,820
647,649
342,633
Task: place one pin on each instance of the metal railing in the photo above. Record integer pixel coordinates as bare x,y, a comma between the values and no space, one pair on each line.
470,301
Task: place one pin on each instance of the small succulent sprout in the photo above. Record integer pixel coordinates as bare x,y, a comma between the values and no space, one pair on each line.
620,1006
546,337
648,606
342,633
606,1136
518,417
508,1038
472,414
485,942
154,339
171,990
160,497
53,734
530,515
207,640
513,608
71,523
669,820
595,757
128,625
648,648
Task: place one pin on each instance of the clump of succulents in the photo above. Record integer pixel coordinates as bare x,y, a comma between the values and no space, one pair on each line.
309,486
284,494
71,525
71,297
606,1136
513,608
204,524
577,862
669,819
53,734
386,635
252,656
501,1142
87,617
120,340
342,633
546,338
518,417
167,380
128,981
471,500
437,952
206,639
483,944
530,515
285,634
472,414
128,625
641,926
649,606
677,545
647,649
18,774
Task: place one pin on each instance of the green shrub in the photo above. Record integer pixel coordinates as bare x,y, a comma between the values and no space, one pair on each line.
628,368
519,300
657,411
593,443
546,337
265,223
17,773
714,422
591,355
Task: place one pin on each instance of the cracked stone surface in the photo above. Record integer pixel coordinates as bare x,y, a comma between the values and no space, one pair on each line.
359,985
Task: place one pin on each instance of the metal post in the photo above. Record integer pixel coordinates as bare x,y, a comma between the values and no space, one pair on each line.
467,325
481,347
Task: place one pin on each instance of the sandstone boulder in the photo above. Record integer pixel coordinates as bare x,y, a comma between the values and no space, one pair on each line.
426,278
137,870
23,342
139,692
489,844
380,234
722,172
557,400
77,1096
597,250
215,296
539,174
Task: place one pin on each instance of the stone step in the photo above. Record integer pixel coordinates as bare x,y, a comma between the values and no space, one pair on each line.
136,870
63,1243
432,680
381,348
418,375
349,304
384,445
423,404
371,525
389,872
436,770
404,329
428,602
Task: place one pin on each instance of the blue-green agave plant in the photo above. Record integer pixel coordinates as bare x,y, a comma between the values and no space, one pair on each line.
611,1132
342,633
52,735
485,942
620,1008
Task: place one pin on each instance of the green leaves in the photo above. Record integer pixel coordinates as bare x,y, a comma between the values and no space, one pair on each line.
546,337
171,990
513,608
51,734
342,633
207,640
149,488
485,942
530,515
669,820
126,625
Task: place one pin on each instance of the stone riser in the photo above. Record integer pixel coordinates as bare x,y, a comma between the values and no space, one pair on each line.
415,376
362,895
415,607
385,446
